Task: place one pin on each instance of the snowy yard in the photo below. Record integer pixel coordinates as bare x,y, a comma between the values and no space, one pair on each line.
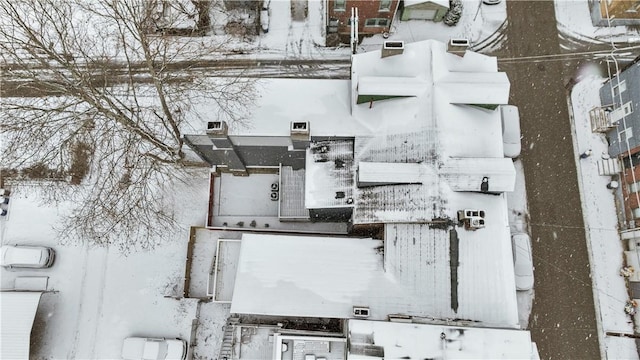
97,297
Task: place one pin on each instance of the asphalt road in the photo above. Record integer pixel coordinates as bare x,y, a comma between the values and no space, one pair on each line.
563,319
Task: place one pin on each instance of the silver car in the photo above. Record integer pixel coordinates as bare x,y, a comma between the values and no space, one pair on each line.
23,256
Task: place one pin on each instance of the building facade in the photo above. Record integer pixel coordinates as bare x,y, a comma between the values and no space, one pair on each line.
621,96
374,17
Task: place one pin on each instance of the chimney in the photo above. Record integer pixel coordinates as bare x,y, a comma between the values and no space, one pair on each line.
217,128
300,134
390,48
458,46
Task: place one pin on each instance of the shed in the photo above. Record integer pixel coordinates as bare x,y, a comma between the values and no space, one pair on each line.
18,310
424,10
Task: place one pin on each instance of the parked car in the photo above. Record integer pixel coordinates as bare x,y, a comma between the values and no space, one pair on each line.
522,260
510,130
138,348
22,256
491,2
264,19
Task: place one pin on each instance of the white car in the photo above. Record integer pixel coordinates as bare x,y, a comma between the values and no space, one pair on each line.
139,348
264,19
491,2
22,256
522,260
510,130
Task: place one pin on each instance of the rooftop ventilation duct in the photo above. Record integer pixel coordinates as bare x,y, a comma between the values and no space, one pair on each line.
217,128
390,48
458,46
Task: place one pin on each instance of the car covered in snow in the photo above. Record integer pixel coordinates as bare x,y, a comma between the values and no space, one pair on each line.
264,19
510,130
522,261
141,348
23,256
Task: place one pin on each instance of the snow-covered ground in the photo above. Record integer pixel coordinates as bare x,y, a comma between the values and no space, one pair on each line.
98,297
598,206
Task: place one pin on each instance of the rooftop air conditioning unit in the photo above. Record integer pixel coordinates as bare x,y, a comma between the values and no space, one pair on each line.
469,214
390,48
360,311
476,223
458,46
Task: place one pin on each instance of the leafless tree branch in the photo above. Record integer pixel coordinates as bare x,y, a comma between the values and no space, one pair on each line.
112,109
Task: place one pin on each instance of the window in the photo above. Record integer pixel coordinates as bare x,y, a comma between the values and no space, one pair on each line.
627,108
339,5
385,5
636,213
633,159
634,187
625,134
619,88
376,22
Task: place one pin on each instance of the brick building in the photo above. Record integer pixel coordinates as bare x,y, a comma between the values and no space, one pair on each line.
374,17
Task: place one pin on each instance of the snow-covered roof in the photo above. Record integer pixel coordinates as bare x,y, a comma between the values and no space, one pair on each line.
467,174
382,173
391,86
437,153
326,277
18,311
430,129
408,3
315,277
329,174
421,341
324,103
419,257
475,88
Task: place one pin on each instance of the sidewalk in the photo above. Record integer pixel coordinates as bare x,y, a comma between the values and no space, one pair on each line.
600,217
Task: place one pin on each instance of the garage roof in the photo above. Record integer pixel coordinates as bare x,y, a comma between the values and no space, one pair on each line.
18,312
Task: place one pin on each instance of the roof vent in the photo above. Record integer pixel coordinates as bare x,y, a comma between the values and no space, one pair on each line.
472,219
361,311
458,46
217,128
300,127
390,48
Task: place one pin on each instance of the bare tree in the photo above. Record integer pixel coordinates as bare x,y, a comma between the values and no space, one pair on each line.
106,95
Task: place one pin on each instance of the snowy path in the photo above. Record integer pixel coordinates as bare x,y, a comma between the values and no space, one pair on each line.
92,285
